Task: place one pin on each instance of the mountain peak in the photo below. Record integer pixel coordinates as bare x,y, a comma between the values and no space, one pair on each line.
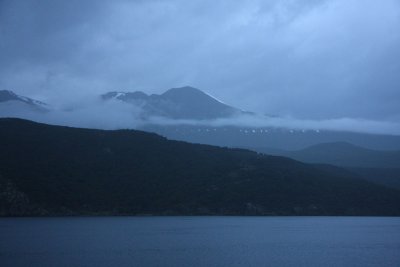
7,95
188,93
192,103
183,89
177,103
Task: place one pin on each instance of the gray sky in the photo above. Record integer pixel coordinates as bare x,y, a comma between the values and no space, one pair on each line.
309,59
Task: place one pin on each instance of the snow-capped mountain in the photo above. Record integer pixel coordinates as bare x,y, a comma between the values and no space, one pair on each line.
11,102
177,103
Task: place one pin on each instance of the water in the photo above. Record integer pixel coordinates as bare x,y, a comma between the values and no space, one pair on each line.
200,241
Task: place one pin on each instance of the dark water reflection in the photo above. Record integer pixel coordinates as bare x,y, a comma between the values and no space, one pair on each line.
200,241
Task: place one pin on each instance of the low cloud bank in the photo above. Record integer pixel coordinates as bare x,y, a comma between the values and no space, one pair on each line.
95,114
118,115
255,121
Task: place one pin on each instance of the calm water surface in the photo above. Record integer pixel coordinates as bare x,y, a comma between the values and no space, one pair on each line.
200,241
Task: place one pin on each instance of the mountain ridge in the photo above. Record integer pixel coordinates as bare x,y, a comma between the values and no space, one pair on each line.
12,103
8,95
54,170
177,103
342,154
171,114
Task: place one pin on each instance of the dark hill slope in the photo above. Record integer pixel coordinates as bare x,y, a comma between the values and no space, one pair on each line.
59,171
378,166
346,154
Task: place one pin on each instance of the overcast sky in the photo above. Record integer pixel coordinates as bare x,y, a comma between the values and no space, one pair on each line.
309,59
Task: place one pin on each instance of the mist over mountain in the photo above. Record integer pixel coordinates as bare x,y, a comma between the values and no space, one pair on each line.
172,115
270,137
191,115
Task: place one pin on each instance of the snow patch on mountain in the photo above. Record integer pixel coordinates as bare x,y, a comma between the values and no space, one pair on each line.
177,103
7,96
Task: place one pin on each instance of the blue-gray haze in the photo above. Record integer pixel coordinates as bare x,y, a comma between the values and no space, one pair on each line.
317,60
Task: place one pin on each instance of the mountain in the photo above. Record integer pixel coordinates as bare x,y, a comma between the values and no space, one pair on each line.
9,98
192,104
389,177
342,154
188,105
380,167
177,103
13,105
54,170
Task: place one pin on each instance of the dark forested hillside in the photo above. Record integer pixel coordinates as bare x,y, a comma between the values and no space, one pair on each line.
53,170
342,154
378,166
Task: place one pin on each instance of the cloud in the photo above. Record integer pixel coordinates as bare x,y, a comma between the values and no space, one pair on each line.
112,115
87,113
257,121
317,60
